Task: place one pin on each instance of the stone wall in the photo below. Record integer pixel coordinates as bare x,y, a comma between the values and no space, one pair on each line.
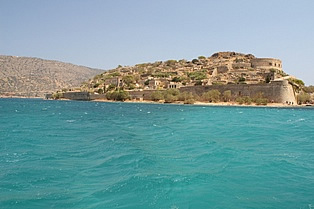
266,63
76,95
241,65
276,91
140,95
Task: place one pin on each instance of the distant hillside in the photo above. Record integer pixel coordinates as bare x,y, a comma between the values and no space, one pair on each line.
24,76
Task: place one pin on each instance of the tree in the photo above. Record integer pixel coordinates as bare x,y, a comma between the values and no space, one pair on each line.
111,87
177,79
211,96
156,96
174,92
185,96
170,62
241,80
303,98
100,91
119,95
146,82
171,95
57,95
170,98
128,79
309,89
259,99
197,75
299,82
195,61
227,95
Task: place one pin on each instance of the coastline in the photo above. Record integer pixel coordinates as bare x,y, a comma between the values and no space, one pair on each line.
217,104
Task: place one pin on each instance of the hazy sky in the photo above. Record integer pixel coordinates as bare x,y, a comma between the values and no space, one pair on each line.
106,33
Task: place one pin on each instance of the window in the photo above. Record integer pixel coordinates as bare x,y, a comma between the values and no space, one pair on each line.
270,64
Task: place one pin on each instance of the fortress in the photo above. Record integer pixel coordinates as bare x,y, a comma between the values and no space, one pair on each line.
276,91
242,74
266,63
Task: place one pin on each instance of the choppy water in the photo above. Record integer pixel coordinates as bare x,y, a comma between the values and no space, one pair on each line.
67,154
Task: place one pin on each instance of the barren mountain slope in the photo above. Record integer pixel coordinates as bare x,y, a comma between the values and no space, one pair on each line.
24,76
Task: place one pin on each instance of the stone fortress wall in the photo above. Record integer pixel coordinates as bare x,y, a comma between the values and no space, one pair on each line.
266,63
276,91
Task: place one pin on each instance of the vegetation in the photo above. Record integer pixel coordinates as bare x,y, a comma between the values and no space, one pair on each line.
157,95
57,95
171,95
244,100
299,82
201,57
197,75
309,89
211,96
118,95
241,80
303,98
187,97
227,96
170,62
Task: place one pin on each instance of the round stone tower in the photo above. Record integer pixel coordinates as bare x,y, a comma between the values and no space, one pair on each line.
266,63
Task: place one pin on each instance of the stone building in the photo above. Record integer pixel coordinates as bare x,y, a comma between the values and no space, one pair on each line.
266,63
116,81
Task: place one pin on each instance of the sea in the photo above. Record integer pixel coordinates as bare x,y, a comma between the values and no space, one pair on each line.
76,154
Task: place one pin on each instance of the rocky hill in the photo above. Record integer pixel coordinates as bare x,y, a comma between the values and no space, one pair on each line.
219,69
24,76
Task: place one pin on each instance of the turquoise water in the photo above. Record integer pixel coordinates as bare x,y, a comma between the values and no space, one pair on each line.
67,154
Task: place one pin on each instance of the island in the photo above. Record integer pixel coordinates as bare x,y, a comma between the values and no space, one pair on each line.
224,77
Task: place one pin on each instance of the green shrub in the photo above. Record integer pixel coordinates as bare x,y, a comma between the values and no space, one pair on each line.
247,100
241,80
177,79
195,61
296,81
189,101
111,87
156,96
197,75
309,89
171,95
240,100
185,96
57,95
211,96
100,91
174,92
119,95
303,98
227,95
128,79
170,98
261,101
170,62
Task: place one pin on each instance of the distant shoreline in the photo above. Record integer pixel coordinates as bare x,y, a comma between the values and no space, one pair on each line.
217,104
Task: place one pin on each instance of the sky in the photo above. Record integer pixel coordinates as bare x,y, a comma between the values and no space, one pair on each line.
106,33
